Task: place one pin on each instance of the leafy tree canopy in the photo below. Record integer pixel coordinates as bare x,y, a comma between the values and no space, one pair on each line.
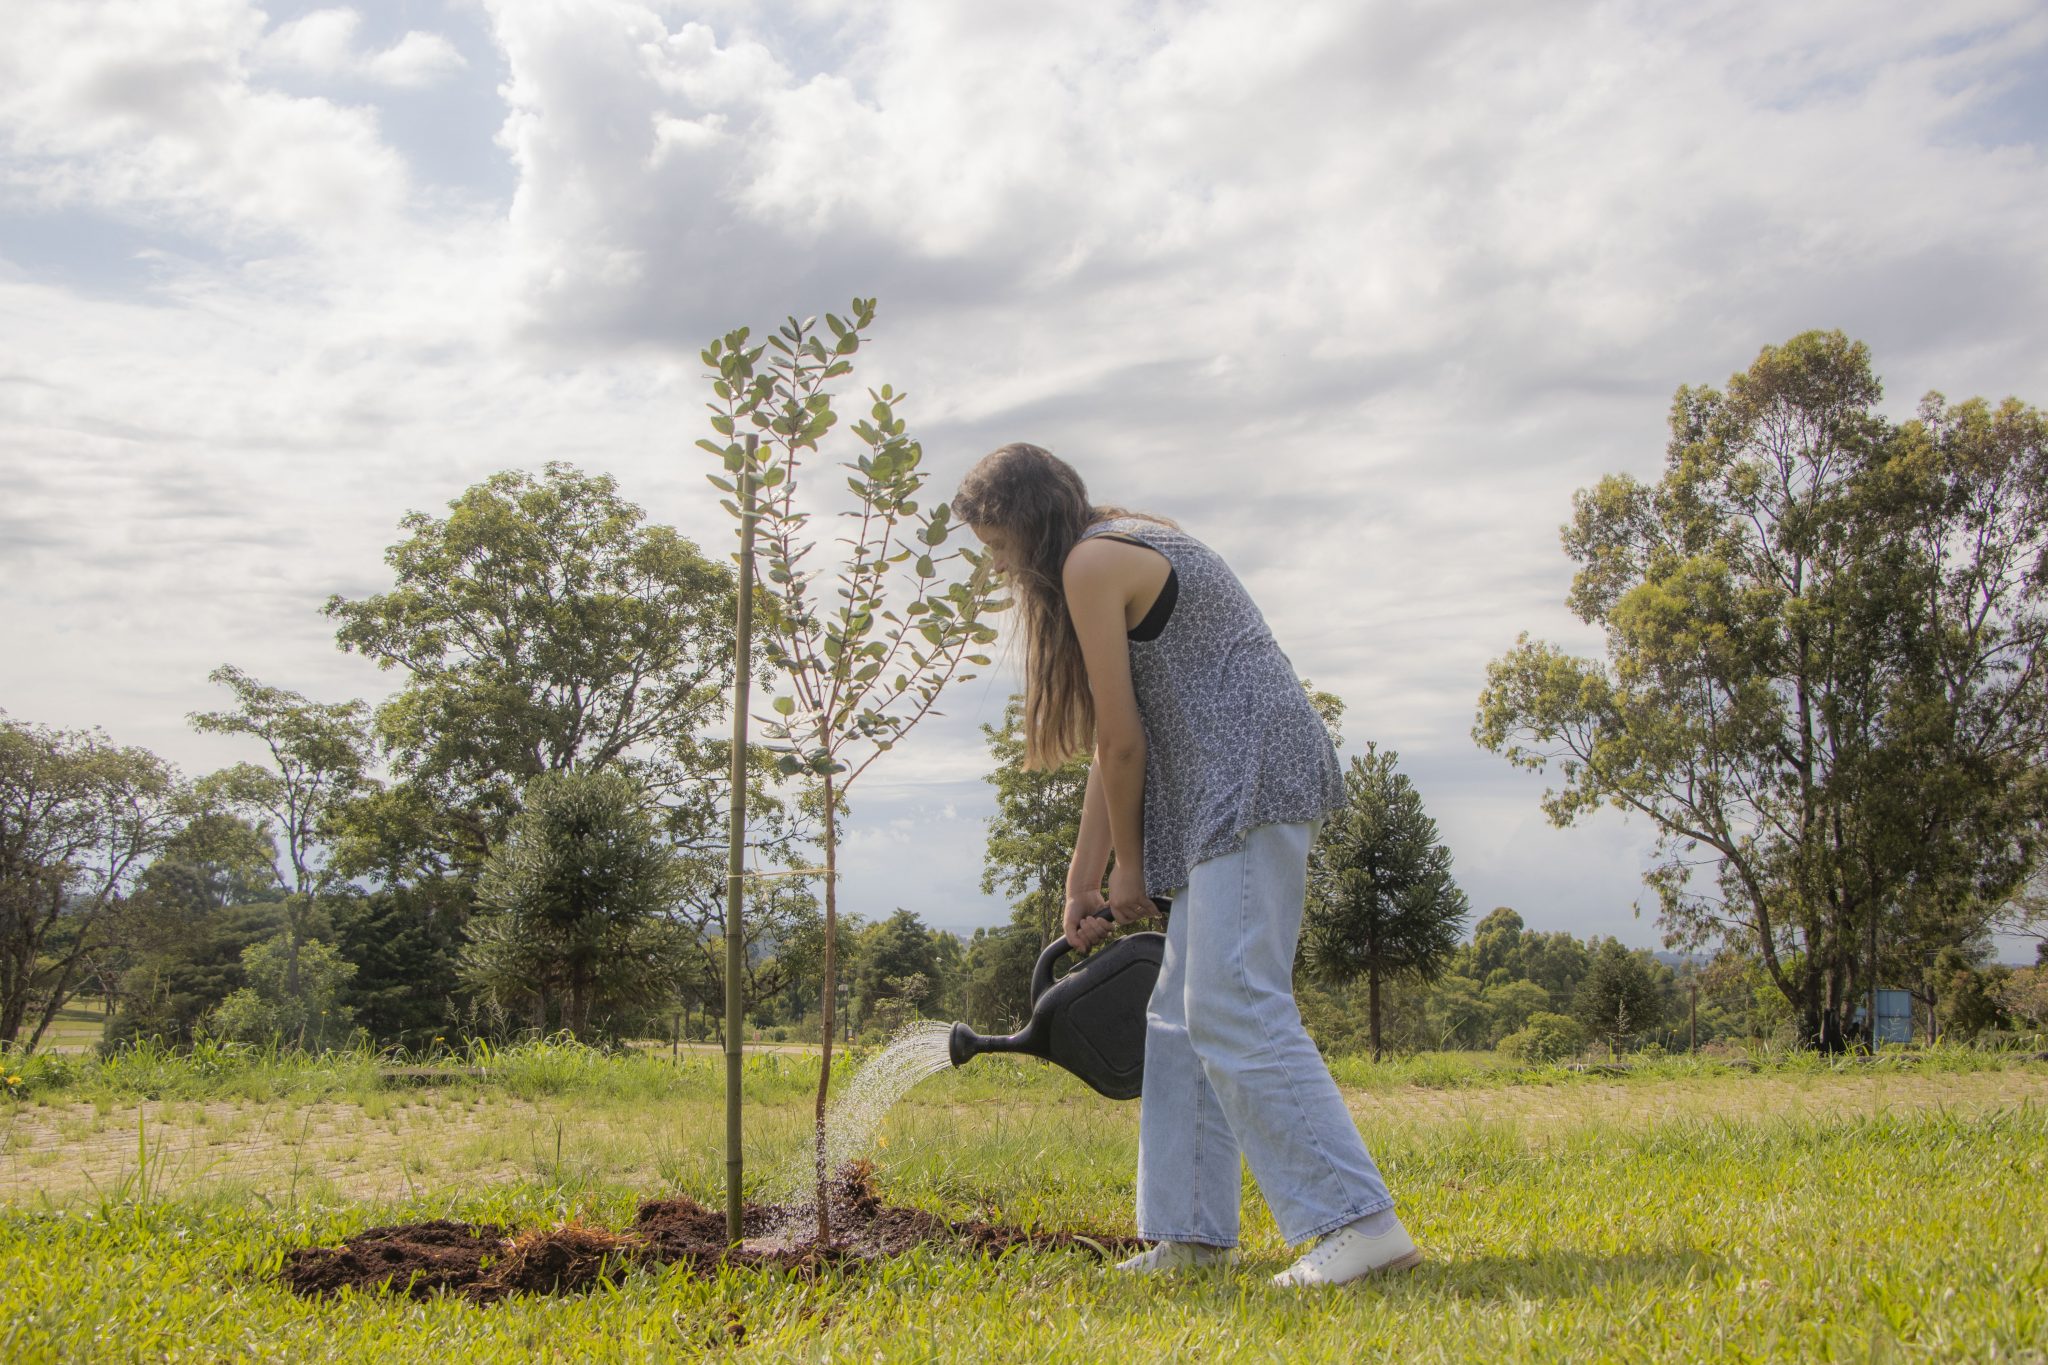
541,625
1824,675
80,817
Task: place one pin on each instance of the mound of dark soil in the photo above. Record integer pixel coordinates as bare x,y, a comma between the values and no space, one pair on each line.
419,1260
483,1263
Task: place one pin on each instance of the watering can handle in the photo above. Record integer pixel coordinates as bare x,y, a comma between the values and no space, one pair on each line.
1041,974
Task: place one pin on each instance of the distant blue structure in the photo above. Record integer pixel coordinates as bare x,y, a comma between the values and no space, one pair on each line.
1894,1017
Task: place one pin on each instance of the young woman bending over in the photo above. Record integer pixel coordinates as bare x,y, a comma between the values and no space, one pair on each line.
1211,775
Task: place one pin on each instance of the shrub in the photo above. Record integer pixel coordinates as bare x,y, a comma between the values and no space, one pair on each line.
1545,1038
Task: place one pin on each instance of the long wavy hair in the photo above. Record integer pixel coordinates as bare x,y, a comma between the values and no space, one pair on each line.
1040,502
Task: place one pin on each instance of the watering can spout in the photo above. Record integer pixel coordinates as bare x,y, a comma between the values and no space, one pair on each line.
965,1044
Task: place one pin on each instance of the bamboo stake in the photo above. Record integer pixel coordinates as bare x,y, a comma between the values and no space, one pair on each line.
735,874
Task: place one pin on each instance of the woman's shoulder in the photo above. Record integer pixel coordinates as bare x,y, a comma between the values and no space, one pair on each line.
1146,530
1104,554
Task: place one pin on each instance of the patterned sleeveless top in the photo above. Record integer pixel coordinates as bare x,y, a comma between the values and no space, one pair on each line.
1230,738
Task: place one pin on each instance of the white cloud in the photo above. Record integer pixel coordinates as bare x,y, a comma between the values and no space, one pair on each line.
146,110
323,44
1360,292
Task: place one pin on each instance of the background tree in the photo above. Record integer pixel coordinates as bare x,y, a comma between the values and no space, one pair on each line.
1381,902
210,892
79,820
1030,840
784,945
1330,707
1496,947
1546,1037
405,946
2023,995
319,754
297,1002
1511,1004
572,909
1031,836
1824,680
2025,913
541,626
995,976
900,961
1619,998
858,674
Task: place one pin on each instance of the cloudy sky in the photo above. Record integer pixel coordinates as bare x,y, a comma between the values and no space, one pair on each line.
1358,291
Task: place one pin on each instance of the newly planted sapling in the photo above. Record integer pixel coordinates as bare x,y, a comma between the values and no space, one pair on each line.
857,672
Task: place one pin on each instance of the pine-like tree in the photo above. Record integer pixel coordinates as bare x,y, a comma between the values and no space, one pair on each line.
1618,998
1381,902
573,908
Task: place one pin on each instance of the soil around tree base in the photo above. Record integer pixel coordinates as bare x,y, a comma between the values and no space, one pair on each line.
483,1263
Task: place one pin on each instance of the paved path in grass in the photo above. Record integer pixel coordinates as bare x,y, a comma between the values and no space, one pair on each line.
1540,1110
63,1152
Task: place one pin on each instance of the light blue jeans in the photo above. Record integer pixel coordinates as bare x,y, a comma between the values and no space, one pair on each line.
1229,1068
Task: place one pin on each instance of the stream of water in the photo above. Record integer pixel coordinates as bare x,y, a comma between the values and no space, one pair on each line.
852,1117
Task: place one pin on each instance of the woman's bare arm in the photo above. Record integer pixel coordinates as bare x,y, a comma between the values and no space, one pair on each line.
1099,585
1092,846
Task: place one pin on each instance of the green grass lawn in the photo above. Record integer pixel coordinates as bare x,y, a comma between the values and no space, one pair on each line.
1683,1212
77,1027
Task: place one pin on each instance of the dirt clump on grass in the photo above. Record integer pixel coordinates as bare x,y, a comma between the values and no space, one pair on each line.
483,1263
418,1260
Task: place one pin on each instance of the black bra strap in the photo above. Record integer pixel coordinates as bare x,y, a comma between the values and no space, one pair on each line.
1162,606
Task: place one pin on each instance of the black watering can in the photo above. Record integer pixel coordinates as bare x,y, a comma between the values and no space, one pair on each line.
1090,1021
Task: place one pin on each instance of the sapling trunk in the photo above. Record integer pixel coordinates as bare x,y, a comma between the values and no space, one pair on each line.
831,966
736,840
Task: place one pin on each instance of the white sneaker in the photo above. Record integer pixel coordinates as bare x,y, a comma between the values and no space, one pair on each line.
1163,1257
1349,1254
